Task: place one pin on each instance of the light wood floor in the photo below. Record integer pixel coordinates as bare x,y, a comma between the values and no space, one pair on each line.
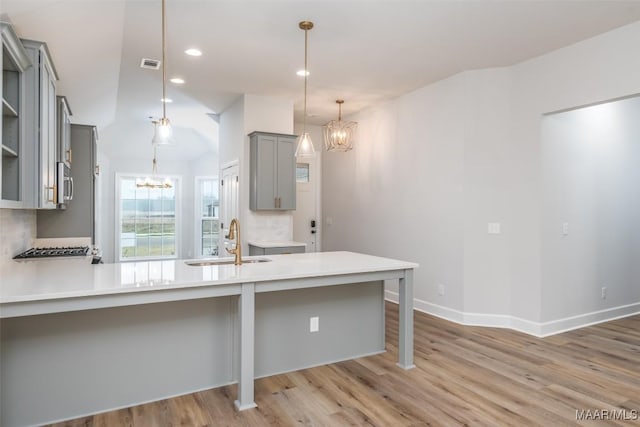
464,376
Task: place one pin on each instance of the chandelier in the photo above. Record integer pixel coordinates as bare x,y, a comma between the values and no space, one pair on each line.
152,182
338,134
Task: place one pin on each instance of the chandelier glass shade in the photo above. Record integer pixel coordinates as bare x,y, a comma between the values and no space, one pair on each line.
163,133
339,134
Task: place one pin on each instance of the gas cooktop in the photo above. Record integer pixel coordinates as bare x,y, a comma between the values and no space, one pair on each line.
70,251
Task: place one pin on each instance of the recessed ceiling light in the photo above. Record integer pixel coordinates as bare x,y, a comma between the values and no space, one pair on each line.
302,73
167,100
177,80
193,52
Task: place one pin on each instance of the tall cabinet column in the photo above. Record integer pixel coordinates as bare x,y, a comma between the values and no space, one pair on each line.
40,131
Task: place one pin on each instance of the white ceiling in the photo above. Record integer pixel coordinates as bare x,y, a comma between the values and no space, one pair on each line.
361,51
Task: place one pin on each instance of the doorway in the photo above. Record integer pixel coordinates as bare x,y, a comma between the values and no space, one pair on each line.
306,217
229,184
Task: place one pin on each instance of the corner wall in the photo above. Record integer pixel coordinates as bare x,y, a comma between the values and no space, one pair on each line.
432,168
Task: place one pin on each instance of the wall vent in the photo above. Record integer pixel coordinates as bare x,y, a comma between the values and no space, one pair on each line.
151,64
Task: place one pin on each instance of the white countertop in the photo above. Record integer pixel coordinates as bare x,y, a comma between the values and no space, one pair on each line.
274,244
51,279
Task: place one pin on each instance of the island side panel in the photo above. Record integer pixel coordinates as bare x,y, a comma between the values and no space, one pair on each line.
62,366
351,324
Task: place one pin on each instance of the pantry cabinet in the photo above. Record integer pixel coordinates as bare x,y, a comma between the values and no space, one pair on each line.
272,172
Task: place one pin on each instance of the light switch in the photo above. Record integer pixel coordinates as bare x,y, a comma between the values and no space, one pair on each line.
493,228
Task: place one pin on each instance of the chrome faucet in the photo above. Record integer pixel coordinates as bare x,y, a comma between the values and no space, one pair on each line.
234,228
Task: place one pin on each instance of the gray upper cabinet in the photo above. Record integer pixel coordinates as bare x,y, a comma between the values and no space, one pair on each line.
65,153
15,62
272,171
40,129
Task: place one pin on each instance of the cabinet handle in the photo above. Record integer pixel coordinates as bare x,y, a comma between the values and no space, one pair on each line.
279,202
54,200
275,202
70,155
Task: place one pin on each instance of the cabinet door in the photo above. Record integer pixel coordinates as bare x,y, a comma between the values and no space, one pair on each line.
64,132
47,135
286,173
265,173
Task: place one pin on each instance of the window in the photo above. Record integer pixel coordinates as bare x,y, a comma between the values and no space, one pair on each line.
207,216
302,172
147,220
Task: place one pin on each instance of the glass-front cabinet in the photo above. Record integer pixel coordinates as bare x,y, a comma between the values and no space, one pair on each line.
14,62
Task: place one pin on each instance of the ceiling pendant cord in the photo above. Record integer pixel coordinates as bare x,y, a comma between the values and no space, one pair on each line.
163,134
306,75
304,146
164,60
154,169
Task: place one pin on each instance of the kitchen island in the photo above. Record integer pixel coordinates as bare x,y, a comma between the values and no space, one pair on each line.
64,319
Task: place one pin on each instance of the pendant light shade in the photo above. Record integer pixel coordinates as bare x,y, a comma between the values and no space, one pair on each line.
305,145
163,134
338,134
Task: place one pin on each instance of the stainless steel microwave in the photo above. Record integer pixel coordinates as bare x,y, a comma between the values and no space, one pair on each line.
64,181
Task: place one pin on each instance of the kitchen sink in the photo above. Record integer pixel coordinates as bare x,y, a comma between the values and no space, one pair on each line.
224,261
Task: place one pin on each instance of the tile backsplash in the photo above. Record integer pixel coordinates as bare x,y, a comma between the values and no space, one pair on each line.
17,231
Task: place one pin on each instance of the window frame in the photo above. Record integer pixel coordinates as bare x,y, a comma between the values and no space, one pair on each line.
197,222
118,217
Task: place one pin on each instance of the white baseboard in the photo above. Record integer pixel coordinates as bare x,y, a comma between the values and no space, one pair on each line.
537,329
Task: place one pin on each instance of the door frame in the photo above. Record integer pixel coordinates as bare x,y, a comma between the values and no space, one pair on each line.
227,165
318,196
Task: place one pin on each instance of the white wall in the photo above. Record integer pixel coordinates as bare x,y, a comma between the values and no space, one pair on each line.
248,114
591,181
430,169
398,193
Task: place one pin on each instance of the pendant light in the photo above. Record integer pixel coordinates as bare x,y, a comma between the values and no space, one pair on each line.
163,134
338,135
151,182
305,145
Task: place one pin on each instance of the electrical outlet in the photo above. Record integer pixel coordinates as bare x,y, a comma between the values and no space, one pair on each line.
493,228
440,289
314,324
604,292
565,228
